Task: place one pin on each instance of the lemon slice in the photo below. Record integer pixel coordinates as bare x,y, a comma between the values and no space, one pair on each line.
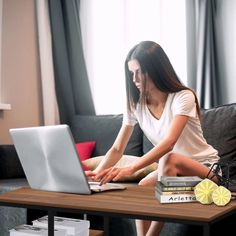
221,196
203,191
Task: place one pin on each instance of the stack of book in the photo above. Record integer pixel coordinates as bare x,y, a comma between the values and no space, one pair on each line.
30,230
73,227
176,189
62,227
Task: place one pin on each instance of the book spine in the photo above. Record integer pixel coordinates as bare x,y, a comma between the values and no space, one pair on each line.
168,189
174,192
180,183
189,181
175,198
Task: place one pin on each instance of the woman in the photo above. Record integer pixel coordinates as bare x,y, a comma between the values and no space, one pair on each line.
168,113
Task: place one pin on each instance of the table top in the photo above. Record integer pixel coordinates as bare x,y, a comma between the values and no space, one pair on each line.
133,202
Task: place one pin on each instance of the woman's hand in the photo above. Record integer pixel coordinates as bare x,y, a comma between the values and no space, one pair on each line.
90,174
114,174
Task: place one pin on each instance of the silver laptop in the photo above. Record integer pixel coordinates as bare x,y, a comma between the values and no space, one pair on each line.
51,162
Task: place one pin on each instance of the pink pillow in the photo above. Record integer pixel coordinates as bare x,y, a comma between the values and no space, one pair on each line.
85,150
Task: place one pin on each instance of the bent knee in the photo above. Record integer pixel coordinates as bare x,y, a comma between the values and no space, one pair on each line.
171,164
171,159
149,180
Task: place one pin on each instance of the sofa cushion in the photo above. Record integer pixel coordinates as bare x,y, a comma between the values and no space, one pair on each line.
85,150
219,129
104,129
147,145
10,166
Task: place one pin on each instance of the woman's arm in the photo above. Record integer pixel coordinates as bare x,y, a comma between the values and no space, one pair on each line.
116,151
165,146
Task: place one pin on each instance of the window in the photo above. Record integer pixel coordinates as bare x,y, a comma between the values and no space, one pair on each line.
111,28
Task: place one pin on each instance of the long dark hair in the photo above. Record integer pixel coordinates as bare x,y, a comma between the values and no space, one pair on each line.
153,61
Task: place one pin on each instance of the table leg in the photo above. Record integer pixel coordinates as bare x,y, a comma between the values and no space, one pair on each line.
106,225
51,223
206,230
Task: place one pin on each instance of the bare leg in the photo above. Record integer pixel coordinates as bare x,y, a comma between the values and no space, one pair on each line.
170,165
143,226
178,165
155,228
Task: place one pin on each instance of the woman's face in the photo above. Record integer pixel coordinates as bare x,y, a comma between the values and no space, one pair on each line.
139,77
135,69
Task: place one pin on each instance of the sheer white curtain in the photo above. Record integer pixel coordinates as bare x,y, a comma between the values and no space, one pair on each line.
50,108
111,28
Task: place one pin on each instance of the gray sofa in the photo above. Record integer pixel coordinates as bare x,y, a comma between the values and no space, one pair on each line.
219,127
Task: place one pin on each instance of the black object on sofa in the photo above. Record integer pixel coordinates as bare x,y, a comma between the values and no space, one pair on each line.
219,128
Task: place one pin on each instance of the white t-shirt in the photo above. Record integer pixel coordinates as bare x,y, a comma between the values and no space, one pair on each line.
191,142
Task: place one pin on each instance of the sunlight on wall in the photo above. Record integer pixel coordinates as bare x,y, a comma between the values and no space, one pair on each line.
111,28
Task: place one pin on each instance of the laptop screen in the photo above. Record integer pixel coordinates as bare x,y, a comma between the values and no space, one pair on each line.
49,159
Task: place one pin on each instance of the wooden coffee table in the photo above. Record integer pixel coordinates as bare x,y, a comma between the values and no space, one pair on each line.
135,202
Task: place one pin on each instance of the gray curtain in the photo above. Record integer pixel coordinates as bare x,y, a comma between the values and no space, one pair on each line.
202,48
71,80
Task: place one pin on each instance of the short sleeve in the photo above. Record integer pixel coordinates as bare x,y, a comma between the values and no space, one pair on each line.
129,118
184,104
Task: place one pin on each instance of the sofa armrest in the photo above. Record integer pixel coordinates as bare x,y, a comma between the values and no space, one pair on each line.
10,166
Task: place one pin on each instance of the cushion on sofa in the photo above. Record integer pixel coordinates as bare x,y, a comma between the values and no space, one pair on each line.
85,150
219,129
10,166
104,129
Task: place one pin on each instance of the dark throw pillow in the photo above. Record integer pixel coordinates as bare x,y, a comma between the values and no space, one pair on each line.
219,129
103,129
